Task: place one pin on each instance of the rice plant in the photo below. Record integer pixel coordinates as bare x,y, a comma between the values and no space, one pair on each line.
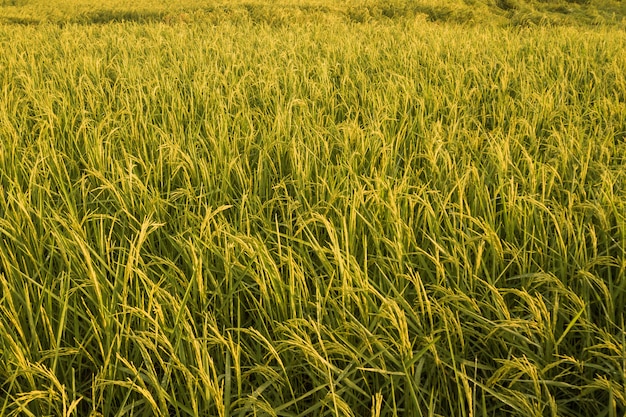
251,217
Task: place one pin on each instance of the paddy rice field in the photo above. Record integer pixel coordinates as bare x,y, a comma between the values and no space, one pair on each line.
332,208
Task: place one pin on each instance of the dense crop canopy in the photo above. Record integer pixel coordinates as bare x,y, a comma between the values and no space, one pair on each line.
387,218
